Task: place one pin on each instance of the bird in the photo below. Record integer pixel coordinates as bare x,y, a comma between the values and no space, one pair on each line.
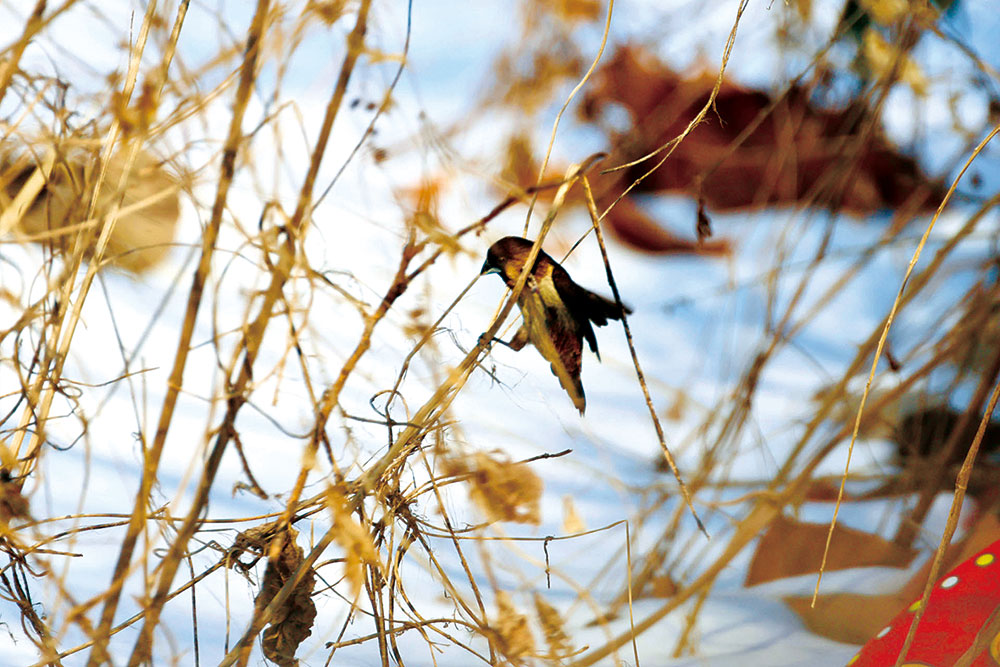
557,313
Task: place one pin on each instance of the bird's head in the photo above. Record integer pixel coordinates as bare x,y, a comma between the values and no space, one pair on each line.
493,263
509,249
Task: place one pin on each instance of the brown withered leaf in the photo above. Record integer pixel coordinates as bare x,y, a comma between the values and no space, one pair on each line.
513,634
922,433
754,149
47,201
796,153
790,548
292,622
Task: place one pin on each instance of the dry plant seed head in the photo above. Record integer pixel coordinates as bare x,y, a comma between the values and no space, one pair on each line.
677,407
139,116
328,11
572,522
423,200
513,632
558,314
518,162
56,213
503,490
552,626
359,550
530,73
417,324
881,57
291,314
8,461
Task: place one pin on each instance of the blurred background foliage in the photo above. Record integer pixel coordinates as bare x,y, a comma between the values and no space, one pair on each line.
235,350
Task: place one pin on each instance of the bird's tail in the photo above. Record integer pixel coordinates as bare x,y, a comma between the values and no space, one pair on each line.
600,309
573,386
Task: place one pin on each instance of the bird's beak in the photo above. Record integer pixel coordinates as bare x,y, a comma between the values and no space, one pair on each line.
487,269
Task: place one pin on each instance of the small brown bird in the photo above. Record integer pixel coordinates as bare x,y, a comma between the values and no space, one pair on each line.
557,312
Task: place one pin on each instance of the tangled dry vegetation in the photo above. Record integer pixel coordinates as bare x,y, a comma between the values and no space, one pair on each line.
170,209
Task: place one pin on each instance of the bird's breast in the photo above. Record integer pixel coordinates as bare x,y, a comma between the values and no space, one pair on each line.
543,311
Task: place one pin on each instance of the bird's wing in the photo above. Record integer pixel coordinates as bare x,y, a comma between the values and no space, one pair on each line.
585,306
575,299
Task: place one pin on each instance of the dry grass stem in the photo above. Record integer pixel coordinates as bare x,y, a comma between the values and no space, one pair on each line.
250,406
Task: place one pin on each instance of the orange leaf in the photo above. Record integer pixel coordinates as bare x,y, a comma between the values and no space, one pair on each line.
790,548
847,617
854,618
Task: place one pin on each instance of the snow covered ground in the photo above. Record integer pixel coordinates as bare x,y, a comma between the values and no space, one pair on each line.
697,326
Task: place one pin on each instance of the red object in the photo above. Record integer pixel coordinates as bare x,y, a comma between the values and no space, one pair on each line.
958,608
